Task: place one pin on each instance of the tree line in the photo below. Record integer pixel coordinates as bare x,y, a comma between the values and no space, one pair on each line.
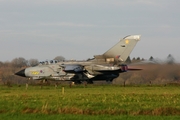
153,71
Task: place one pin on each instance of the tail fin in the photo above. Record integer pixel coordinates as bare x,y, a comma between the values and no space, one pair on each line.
122,49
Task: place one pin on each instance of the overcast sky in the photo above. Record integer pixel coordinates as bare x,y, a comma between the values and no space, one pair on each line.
79,29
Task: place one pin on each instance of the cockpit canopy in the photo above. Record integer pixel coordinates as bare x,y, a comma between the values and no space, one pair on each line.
48,62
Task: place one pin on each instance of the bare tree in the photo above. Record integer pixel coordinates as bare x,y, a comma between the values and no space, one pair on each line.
19,62
33,62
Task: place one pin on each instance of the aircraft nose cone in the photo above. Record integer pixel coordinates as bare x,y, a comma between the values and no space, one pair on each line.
21,73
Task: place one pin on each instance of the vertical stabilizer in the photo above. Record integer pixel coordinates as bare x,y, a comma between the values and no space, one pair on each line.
122,49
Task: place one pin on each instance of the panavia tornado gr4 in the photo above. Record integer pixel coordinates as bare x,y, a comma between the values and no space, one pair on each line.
107,66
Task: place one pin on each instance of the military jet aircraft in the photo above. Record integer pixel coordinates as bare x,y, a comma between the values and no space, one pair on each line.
107,66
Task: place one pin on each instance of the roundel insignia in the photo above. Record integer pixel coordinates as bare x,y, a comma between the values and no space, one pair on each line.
127,41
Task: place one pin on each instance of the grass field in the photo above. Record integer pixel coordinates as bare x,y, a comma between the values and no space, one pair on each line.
90,102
